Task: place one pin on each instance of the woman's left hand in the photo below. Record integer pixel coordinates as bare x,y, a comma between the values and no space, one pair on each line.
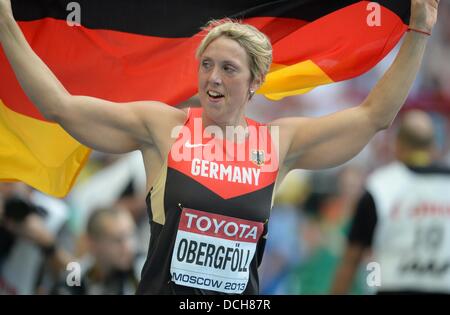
423,14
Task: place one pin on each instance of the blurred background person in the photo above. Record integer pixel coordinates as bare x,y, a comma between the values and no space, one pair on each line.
404,217
32,235
111,264
116,181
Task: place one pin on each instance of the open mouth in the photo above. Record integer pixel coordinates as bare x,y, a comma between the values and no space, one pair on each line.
214,95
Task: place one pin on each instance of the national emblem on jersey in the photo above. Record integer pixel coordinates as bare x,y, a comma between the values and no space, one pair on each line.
258,157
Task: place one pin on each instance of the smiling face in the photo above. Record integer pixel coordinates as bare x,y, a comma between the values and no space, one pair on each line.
225,81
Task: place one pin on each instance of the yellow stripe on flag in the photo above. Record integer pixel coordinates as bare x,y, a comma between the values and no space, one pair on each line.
38,153
282,81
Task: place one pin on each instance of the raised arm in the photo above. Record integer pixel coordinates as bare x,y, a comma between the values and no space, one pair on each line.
99,124
328,141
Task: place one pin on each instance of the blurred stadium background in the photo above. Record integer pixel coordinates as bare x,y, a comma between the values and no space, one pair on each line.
312,210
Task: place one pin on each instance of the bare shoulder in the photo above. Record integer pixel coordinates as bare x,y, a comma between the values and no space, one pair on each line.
288,122
288,126
159,111
160,120
287,130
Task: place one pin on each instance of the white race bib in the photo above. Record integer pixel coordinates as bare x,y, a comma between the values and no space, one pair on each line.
213,251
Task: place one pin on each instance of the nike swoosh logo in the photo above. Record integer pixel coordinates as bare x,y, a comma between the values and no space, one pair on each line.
195,145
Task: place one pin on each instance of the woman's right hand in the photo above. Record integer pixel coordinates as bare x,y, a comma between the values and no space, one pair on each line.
5,9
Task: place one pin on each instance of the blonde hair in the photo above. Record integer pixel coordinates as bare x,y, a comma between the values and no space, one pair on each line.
256,44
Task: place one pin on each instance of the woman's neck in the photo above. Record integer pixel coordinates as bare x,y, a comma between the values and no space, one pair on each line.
233,130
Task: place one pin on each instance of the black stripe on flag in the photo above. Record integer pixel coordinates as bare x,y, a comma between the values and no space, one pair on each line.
182,18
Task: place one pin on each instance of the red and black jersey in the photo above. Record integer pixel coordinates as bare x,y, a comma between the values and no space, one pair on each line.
209,208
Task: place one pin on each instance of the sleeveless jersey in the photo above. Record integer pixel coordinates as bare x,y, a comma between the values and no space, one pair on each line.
412,234
208,208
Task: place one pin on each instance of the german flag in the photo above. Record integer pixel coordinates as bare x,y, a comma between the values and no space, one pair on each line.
144,50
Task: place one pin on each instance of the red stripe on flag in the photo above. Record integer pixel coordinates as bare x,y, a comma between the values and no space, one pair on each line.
116,66
124,67
342,44
111,65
